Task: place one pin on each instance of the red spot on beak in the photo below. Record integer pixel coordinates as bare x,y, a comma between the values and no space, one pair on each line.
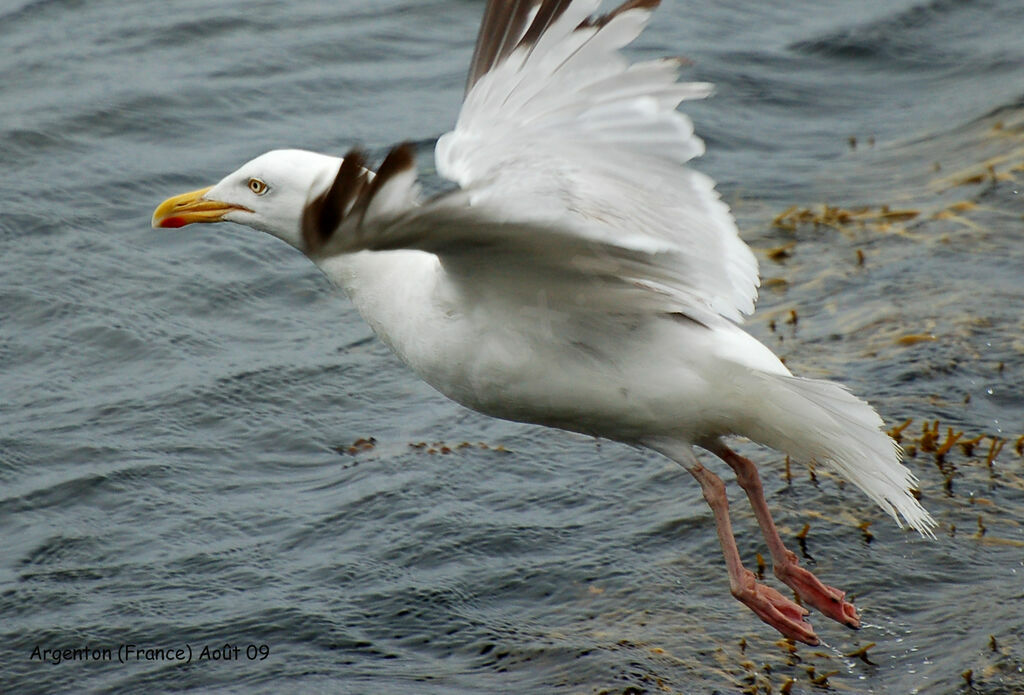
173,222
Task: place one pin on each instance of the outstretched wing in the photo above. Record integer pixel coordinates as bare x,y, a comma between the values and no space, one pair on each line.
571,163
554,113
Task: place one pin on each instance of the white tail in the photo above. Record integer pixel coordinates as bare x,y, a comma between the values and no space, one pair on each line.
840,430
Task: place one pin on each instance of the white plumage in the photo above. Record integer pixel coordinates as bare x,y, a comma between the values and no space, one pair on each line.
581,276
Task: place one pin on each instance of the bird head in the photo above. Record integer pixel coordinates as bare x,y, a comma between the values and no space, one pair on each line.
269,193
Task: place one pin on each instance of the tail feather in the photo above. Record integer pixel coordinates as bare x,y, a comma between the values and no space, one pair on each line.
838,429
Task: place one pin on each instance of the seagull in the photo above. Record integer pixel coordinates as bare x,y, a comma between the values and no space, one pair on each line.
578,274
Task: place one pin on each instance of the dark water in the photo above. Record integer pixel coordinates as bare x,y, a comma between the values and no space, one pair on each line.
177,408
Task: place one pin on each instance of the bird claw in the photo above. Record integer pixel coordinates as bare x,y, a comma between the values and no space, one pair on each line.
826,599
776,610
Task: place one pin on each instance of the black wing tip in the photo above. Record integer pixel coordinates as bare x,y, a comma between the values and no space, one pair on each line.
504,28
351,193
503,22
356,155
324,214
547,15
602,20
399,159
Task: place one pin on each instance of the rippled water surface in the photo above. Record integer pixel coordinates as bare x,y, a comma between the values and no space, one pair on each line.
178,409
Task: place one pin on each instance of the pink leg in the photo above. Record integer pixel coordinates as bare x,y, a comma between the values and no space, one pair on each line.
770,606
787,568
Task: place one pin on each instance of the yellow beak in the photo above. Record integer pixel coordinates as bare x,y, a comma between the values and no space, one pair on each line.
191,207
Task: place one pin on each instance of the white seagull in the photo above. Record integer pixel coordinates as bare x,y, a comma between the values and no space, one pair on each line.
580,276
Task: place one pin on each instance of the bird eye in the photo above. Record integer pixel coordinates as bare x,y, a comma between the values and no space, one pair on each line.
258,187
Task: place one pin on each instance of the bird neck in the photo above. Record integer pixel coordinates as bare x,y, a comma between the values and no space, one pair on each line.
394,291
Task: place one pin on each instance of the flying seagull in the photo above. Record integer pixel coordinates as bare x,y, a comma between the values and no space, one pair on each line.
579,275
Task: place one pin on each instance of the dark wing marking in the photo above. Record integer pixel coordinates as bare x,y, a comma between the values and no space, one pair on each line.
504,28
686,319
546,16
324,214
503,19
351,193
602,20
400,158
